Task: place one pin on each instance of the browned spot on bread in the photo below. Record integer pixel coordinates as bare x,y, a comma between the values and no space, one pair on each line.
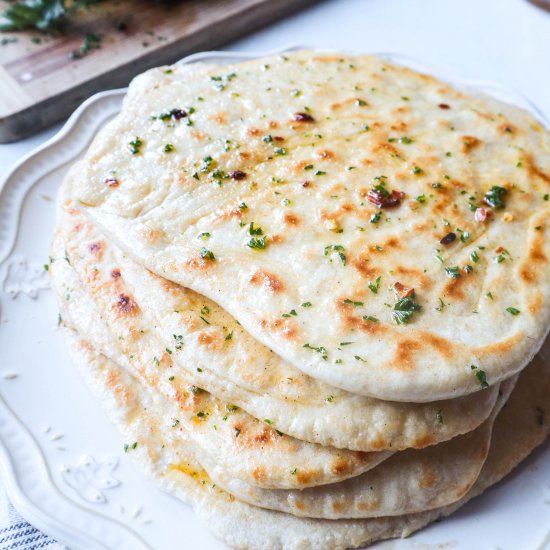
219,118
405,350
299,504
533,170
324,154
254,132
277,238
413,277
248,440
345,103
152,235
368,505
456,288
259,473
423,441
210,339
499,348
115,274
273,124
306,477
126,305
96,248
441,345
285,326
232,214
361,264
352,322
265,436
195,134
198,263
384,147
428,478
291,218
469,143
399,127
268,281
337,506
535,303
378,443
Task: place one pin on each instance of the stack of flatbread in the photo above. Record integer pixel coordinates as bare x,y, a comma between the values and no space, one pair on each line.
310,291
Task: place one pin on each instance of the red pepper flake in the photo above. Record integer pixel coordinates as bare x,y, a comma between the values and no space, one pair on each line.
115,274
302,117
125,303
112,182
403,291
448,238
480,214
278,138
306,183
237,175
499,249
383,199
177,114
444,106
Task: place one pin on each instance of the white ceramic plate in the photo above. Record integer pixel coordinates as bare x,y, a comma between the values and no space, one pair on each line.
63,464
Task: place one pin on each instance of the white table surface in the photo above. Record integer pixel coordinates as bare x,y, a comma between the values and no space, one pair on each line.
507,41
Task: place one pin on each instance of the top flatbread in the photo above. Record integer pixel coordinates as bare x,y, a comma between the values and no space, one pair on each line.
254,185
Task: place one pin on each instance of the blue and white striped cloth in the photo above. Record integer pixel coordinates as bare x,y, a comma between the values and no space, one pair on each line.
17,534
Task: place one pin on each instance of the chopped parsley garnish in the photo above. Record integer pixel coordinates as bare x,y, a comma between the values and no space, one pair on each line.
370,318
129,446
178,338
406,140
229,335
474,256
255,230
421,199
348,301
481,377
257,243
374,287
417,171
320,349
207,254
513,311
168,148
308,167
291,313
339,249
306,304
329,399
279,151
453,272
243,206
267,421
267,138
135,146
495,197
203,236
439,417
375,218
404,309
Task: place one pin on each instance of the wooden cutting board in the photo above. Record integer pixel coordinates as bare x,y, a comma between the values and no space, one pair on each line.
41,82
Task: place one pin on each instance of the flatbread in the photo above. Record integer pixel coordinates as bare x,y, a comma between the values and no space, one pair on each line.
255,185
229,439
524,420
241,370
